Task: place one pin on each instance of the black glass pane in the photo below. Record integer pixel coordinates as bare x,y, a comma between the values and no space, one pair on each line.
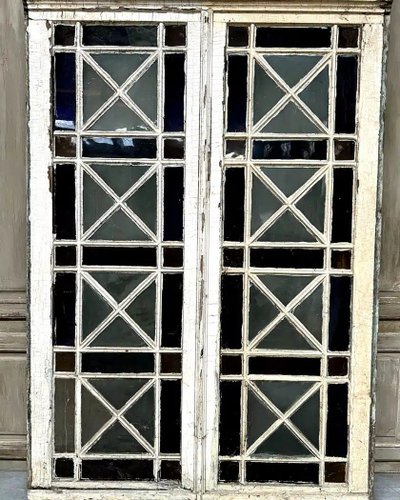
64,35
112,256
120,362
341,259
238,36
64,415
175,35
138,36
336,429
64,467
170,426
171,362
229,472
338,367
289,150
173,204
174,98
64,202
170,470
346,94
173,257
172,299
282,472
340,313
335,472
65,362
231,311
344,150
64,309
231,365
237,93
119,147
348,37
229,423
174,149
65,91
65,146
293,258
293,37
233,257
65,256
342,205
234,204
117,470
261,365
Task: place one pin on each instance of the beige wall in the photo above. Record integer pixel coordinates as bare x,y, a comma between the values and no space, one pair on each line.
12,245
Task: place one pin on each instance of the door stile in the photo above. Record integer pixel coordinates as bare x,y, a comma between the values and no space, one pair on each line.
214,238
364,331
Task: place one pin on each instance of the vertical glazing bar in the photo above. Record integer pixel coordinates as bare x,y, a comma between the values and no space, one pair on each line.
213,263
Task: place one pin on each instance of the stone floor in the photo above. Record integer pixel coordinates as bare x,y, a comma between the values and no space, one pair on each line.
13,486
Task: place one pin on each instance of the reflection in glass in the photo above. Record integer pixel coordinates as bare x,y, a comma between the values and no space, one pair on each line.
289,150
292,68
344,150
119,147
118,66
235,148
174,149
65,91
95,91
120,118
65,146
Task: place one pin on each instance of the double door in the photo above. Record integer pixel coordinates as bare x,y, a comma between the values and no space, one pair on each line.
202,261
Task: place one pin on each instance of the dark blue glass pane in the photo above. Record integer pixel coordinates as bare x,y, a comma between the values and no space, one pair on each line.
137,36
65,90
174,116
289,150
119,147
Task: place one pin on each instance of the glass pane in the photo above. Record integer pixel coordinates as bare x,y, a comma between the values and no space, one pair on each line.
259,420
284,366
144,92
142,310
285,287
341,259
65,256
121,119
316,96
282,472
287,258
119,285
144,203
118,470
65,146
287,228
235,149
263,204
238,36
336,444
346,94
120,66
231,311
229,471
234,204
348,37
119,177
340,313
335,472
95,91
64,34
65,362
172,310
95,202
141,415
175,35
289,150
261,311
118,334
119,147
231,365
64,292
64,423
293,37
309,312
266,93
282,442
292,68
173,204
114,256
65,91
344,150
170,470
118,362
289,180
342,205
170,425
291,120
284,336
64,226
233,257
312,204
94,309
229,424
64,468
307,419
174,78
139,36
173,257
237,93
174,149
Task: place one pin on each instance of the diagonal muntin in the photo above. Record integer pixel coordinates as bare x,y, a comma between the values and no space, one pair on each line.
120,91
119,202
284,418
285,311
288,203
117,415
291,92
118,309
